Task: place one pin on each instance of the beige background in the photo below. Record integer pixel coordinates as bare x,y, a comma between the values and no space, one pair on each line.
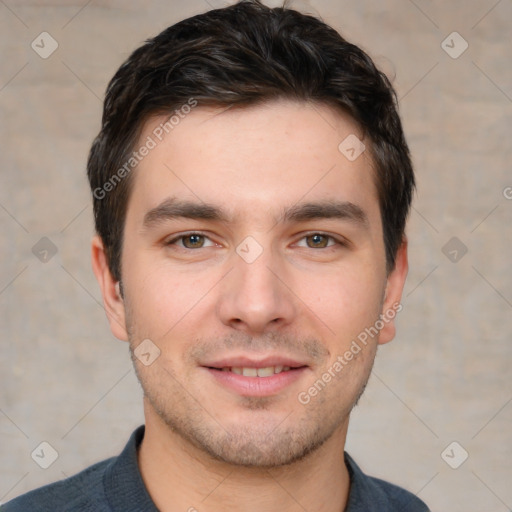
447,377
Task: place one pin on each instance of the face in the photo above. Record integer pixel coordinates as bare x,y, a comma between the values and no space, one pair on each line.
253,258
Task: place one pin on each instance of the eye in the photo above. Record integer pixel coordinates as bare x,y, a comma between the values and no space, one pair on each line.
191,241
319,241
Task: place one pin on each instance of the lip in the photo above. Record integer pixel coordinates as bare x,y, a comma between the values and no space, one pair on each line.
254,362
256,386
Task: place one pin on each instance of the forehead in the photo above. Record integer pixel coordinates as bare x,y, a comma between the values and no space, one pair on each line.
253,160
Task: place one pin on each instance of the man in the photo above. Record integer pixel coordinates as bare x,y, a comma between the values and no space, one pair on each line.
251,184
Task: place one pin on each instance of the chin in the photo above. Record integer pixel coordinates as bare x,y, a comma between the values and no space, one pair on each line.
253,443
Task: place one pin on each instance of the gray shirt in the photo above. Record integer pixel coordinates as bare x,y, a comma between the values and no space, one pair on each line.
115,485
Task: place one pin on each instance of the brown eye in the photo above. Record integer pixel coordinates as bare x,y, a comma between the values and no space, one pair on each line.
194,241
191,241
317,241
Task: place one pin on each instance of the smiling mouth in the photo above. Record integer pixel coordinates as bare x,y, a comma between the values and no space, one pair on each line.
246,371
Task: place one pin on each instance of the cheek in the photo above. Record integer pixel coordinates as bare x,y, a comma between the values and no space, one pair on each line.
346,301
164,300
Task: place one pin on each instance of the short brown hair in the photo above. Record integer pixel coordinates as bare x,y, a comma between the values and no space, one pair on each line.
243,55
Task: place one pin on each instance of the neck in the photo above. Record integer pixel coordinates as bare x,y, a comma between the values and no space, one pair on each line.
179,476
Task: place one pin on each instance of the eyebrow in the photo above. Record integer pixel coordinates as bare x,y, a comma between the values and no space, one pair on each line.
173,208
343,210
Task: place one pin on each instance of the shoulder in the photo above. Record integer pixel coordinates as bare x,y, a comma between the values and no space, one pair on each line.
83,491
373,494
396,498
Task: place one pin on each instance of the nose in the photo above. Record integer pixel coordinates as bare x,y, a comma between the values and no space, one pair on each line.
255,297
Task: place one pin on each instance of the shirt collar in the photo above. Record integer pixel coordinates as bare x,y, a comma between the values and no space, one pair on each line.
126,492
122,481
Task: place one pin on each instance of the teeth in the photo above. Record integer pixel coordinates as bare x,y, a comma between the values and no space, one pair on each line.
257,372
265,372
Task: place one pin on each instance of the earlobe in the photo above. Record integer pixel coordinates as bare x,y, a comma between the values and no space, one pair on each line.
110,290
394,287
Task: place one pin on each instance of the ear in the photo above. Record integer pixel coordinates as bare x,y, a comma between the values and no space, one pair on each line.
112,300
394,287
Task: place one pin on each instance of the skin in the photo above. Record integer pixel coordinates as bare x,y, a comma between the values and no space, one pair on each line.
304,296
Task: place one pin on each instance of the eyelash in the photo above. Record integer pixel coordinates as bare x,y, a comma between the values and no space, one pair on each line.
339,242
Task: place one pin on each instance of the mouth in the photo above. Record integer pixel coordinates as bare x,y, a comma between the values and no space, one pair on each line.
250,371
247,377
